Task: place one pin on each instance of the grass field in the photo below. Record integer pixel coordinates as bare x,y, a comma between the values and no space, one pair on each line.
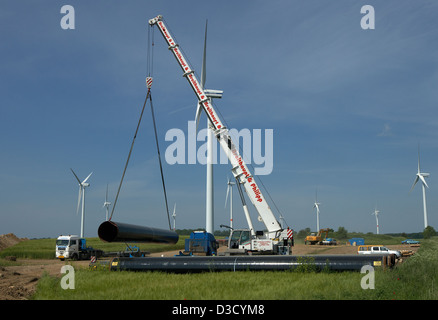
414,279
216,286
417,278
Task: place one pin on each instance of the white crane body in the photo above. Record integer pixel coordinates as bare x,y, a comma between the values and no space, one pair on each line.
239,168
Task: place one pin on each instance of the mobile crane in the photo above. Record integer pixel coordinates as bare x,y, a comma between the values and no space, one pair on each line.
275,240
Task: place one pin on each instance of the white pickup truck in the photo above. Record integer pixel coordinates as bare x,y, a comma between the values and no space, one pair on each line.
367,249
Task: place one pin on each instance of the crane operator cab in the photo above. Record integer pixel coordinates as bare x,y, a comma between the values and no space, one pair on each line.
240,239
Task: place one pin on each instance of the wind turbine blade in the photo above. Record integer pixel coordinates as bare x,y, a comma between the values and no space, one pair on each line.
203,77
415,182
204,60
106,195
79,199
174,210
87,177
226,198
423,180
79,181
197,116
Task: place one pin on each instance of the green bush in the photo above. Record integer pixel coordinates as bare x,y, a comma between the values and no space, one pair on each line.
429,232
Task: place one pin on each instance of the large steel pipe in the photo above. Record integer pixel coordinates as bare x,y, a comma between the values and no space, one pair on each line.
111,231
184,264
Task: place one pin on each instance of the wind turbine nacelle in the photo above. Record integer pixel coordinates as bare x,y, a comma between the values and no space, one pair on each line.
217,94
85,184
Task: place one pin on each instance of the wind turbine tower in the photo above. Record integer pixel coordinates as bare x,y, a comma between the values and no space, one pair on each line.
376,213
316,206
421,176
174,217
230,188
209,212
82,186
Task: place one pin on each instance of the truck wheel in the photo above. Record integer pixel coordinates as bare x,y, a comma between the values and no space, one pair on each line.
74,257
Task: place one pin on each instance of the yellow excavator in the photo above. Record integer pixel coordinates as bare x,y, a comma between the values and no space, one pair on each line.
316,238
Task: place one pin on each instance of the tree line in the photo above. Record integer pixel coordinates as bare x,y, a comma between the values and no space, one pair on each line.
341,234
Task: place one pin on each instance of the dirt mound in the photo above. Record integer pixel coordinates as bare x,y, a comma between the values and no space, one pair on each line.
18,282
8,240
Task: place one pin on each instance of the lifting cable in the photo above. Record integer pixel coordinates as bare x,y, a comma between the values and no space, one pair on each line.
129,155
148,97
159,160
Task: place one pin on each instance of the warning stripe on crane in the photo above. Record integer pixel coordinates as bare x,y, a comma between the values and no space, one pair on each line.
149,82
290,233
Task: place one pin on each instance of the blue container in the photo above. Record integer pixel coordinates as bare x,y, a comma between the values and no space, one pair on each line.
201,242
357,241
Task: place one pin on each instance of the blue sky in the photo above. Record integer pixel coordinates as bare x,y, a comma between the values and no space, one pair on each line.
348,108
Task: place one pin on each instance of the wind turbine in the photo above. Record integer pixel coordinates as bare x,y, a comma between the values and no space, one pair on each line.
82,186
174,217
376,213
316,205
106,204
281,218
209,212
420,176
230,188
